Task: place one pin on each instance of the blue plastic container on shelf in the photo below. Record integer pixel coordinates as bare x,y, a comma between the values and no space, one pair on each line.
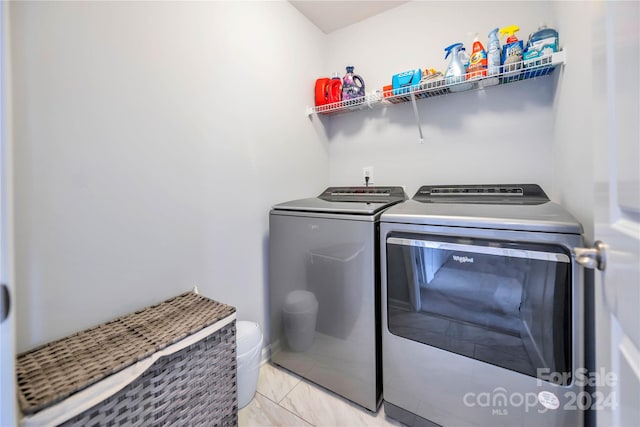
405,81
541,43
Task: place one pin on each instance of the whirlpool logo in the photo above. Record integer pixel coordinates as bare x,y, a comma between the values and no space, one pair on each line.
462,259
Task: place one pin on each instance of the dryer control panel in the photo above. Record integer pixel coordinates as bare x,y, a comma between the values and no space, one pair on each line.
495,194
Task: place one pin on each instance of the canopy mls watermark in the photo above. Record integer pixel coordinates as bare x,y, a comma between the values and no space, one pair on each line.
499,401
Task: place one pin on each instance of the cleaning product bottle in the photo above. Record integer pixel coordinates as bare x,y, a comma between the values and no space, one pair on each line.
493,53
512,49
322,91
464,57
352,85
478,61
455,74
335,88
541,43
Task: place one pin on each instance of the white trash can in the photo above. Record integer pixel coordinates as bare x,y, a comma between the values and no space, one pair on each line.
248,351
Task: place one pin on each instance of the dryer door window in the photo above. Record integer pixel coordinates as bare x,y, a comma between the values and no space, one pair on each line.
504,303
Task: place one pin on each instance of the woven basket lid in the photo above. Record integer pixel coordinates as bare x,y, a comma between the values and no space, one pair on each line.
52,372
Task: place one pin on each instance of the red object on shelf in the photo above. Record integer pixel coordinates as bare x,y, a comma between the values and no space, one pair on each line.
322,91
477,62
335,90
387,91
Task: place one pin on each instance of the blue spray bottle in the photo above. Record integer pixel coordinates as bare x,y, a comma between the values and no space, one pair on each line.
455,76
494,60
493,53
512,49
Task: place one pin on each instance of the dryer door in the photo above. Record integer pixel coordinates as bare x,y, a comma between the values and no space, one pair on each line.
503,303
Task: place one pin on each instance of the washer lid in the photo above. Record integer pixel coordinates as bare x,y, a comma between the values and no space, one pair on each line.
318,205
348,200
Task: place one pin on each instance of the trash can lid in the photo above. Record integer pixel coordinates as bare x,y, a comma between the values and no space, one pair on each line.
248,335
300,302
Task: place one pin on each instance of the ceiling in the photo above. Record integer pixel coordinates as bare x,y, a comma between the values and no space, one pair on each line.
332,15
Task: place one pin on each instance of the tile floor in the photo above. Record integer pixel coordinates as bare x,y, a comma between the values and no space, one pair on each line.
284,399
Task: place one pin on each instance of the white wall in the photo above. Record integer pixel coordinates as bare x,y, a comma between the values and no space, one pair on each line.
151,138
501,135
573,148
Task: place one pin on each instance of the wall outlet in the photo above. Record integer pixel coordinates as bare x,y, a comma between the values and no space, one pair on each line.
367,172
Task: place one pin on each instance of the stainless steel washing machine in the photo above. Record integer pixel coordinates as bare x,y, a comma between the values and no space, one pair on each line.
482,309
324,289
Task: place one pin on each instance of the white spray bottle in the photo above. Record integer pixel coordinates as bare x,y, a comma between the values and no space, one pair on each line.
455,76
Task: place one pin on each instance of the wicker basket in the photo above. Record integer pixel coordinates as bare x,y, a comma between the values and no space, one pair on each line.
193,386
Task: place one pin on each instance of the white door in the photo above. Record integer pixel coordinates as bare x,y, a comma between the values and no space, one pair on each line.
7,346
617,210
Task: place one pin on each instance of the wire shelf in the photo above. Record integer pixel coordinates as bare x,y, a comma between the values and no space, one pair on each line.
508,73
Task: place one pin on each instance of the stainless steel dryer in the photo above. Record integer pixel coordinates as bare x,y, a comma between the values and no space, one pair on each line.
482,309
324,289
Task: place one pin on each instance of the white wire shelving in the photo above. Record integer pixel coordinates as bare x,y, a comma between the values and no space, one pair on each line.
510,73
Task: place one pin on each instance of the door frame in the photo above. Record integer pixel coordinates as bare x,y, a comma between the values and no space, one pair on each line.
8,401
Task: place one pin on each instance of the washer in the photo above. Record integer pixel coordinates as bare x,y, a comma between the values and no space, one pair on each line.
483,309
324,289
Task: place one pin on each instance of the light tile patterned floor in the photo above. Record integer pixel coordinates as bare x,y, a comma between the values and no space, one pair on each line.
284,399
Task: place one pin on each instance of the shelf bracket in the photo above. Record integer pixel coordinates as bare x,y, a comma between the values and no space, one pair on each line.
415,111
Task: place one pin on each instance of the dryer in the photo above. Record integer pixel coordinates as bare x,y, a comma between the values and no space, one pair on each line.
483,308
324,289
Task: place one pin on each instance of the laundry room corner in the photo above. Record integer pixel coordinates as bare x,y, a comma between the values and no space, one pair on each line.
149,147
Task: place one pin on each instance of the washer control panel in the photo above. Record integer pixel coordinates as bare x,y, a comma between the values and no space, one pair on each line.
363,194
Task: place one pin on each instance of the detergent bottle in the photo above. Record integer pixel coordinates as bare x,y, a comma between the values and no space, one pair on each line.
334,88
478,61
493,53
352,85
322,91
512,50
455,74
